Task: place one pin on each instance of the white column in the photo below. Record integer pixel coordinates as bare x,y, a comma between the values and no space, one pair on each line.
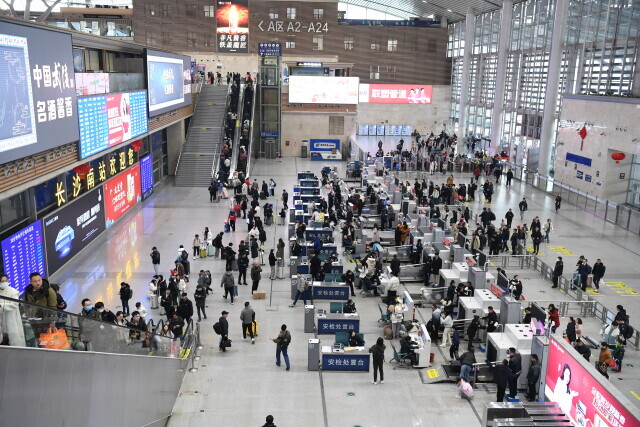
501,71
547,133
469,32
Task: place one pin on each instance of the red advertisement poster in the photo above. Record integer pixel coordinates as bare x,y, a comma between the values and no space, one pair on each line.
398,94
232,26
121,194
119,115
579,394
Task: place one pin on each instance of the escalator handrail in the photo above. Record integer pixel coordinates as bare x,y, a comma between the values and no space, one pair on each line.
216,161
251,127
236,135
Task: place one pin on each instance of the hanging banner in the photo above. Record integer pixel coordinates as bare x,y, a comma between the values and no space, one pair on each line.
121,194
232,26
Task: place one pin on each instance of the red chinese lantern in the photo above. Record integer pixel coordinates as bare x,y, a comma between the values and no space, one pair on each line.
137,145
82,170
618,156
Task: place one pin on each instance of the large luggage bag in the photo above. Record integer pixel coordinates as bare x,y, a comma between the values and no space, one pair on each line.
211,250
203,253
388,332
254,326
154,301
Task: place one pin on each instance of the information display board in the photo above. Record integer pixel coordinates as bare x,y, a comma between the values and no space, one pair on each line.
579,394
92,83
395,94
322,90
121,194
232,26
23,254
71,228
169,81
37,90
146,176
108,120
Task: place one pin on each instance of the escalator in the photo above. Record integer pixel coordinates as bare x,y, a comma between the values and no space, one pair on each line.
245,133
225,164
59,368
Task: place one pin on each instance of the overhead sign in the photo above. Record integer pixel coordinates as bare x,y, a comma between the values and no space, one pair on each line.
23,254
37,91
395,94
308,64
388,23
71,228
269,49
323,90
232,26
293,27
121,194
581,396
168,80
108,120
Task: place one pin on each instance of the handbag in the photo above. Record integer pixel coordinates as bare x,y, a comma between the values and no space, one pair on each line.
226,343
55,339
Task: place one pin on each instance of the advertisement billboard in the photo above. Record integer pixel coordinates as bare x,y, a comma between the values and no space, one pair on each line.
325,149
92,83
584,399
232,26
23,254
108,120
37,90
395,94
71,228
121,194
321,90
146,176
169,81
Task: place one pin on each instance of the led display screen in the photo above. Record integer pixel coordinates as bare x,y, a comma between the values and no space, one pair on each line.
579,394
146,175
72,227
38,110
169,81
92,83
232,26
23,254
121,194
108,120
322,90
395,94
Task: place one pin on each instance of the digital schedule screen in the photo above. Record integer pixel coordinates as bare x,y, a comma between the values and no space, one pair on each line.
23,254
121,194
146,176
169,81
37,91
72,227
108,120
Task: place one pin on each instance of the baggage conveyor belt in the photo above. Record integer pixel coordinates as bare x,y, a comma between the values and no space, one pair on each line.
450,374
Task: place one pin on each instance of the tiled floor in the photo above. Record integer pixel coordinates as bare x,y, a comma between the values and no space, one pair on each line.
242,386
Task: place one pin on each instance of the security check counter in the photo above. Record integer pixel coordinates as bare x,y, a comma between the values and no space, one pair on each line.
336,268
334,291
330,323
306,191
309,183
518,336
306,175
326,251
338,358
478,304
423,352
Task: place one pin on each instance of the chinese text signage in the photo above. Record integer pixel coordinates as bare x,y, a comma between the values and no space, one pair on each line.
331,326
37,90
232,26
121,194
395,94
342,362
269,49
331,292
23,254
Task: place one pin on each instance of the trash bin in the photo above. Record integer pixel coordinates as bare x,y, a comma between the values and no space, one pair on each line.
303,154
313,355
309,320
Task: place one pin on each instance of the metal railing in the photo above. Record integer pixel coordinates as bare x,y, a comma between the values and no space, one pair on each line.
251,152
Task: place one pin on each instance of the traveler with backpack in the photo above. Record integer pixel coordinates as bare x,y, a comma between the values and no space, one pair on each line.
200,296
228,283
125,295
213,192
230,257
155,259
222,328
183,258
282,344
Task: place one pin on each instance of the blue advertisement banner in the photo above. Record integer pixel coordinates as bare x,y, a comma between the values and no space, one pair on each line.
269,49
23,254
578,159
146,176
343,362
331,326
324,145
331,292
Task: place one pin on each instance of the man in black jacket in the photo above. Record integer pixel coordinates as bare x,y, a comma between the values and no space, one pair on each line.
533,376
243,264
598,272
557,271
395,266
436,265
509,217
583,349
176,324
472,329
230,255
185,308
492,319
466,364
515,364
224,330
314,266
501,376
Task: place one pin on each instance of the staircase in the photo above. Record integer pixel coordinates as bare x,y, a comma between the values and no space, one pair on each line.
204,138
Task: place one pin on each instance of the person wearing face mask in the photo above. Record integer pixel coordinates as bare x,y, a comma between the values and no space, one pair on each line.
10,314
88,310
105,314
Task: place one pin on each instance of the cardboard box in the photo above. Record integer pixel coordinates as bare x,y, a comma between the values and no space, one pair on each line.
259,295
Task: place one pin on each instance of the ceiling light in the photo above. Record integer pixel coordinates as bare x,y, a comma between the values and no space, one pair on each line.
448,10
424,1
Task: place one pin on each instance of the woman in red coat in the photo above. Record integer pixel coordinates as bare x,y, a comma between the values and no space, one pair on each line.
554,318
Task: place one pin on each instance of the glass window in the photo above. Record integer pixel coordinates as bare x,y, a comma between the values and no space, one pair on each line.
273,13
151,38
192,39
374,73
167,39
349,43
318,42
13,210
166,10
290,45
375,46
209,12
192,10
336,125
150,9
318,14
392,45
291,13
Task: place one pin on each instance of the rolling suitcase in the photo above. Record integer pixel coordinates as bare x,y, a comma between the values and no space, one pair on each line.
211,250
154,301
254,326
203,253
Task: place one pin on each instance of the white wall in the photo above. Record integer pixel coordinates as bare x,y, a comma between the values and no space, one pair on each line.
298,126
613,124
424,117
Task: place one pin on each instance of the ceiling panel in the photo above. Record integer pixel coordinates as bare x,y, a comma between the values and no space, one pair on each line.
453,10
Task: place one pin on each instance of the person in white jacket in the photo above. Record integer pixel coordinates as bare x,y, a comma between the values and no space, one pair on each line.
447,322
392,290
397,316
140,309
10,320
152,293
